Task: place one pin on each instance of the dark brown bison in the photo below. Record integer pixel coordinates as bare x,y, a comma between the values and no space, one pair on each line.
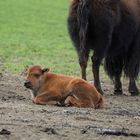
111,28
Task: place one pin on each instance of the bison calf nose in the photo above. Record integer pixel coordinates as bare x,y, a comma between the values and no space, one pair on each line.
28,84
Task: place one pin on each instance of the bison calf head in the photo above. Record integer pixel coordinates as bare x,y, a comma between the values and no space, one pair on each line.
34,74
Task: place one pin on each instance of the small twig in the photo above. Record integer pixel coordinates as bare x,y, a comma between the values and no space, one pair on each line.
117,132
110,131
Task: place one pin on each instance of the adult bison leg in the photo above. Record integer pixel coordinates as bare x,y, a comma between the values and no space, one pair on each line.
100,49
103,33
113,66
83,54
83,58
133,88
79,42
118,86
96,61
132,66
103,30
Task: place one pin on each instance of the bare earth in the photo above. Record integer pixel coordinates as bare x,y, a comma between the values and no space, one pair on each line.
20,119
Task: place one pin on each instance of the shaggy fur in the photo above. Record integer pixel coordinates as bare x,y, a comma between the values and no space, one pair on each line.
58,89
112,29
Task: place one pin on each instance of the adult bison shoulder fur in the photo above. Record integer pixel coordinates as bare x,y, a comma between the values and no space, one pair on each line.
112,29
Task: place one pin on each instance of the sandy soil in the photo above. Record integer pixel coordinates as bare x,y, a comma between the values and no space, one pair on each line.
20,119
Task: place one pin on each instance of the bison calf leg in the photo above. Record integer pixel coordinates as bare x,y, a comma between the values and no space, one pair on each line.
45,99
77,102
133,88
39,101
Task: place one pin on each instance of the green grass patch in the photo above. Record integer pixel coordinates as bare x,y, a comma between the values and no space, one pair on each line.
35,32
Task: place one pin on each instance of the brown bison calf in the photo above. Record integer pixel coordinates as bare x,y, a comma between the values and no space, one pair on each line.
58,89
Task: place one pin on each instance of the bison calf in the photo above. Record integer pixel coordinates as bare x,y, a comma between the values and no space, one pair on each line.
54,89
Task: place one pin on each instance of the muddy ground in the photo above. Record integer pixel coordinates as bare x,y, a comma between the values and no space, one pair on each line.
20,119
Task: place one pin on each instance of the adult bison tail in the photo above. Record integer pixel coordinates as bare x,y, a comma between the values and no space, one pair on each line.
83,11
132,63
114,65
129,63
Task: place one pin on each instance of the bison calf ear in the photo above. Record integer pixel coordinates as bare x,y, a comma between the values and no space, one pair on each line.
24,72
45,70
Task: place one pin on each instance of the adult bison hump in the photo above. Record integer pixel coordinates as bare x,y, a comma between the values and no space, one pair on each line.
111,28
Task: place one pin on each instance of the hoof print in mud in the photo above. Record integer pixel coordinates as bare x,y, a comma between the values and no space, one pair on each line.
5,132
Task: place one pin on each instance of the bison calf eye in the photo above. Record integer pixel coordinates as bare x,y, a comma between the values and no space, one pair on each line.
36,75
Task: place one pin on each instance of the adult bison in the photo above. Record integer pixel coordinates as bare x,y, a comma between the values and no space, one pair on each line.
112,29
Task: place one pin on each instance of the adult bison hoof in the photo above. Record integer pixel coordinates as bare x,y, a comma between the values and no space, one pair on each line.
134,91
118,92
100,91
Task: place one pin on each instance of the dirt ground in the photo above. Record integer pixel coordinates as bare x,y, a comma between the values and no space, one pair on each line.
20,119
